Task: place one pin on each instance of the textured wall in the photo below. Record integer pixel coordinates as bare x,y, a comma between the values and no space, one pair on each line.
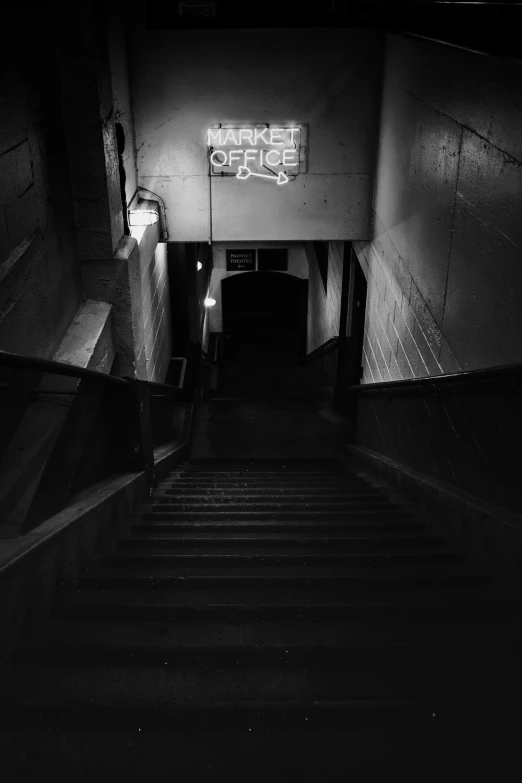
443,266
122,99
324,306
40,287
90,129
185,81
158,336
155,302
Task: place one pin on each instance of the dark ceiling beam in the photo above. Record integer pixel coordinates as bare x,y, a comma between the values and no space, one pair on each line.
492,27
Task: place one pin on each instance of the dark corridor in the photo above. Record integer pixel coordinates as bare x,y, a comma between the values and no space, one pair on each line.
264,328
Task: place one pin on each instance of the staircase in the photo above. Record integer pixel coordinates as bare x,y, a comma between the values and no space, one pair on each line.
270,617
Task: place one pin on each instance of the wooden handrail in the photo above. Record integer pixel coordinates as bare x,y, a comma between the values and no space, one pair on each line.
129,417
57,368
183,361
71,370
323,349
467,376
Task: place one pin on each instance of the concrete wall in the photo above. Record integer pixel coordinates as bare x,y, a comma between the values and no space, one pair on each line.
324,307
122,99
154,335
158,337
443,267
297,266
40,288
90,129
185,81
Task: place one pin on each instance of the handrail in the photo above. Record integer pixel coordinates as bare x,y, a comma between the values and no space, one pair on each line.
57,368
208,360
183,361
466,376
323,349
61,368
111,425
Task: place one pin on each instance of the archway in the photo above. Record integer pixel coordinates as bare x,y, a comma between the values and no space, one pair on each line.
264,328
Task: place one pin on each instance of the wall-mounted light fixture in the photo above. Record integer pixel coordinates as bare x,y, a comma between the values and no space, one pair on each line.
142,217
200,266
209,302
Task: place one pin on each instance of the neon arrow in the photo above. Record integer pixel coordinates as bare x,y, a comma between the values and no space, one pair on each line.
244,172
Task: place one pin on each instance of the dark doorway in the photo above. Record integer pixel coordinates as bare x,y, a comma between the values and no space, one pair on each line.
264,328
355,321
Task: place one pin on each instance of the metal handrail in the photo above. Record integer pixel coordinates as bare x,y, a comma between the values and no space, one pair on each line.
183,361
207,358
323,349
61,368
465,377
57,368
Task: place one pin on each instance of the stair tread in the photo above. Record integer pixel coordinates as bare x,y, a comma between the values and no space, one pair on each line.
223,504
255,727
256,546
353,527
334,632
361,677
307,541
226,582
291,558
247,495
462,600
307,514
277,585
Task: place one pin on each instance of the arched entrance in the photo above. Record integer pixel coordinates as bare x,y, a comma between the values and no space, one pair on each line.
264,328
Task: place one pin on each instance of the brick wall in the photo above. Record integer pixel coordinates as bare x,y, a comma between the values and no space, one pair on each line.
324,306
401,337
156,313
443,266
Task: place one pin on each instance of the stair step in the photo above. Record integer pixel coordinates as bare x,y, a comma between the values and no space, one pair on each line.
276,496
457,612
274,475
405,655
255,493
161,523
330,461
226,585
261,544
159,511
146,632
256,716
279,560
187,677
269,479
222,504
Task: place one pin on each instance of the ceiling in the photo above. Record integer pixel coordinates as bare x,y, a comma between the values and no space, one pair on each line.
490,27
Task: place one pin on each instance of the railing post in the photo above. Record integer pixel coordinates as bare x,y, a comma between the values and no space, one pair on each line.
138,427
343,316
147,446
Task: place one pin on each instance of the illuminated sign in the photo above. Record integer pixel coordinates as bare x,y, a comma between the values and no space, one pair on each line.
255,151
241,260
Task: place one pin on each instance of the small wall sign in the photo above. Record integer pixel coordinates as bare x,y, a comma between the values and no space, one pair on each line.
202,9
255,151
241,260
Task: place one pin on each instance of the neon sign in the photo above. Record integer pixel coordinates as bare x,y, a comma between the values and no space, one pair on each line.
255,151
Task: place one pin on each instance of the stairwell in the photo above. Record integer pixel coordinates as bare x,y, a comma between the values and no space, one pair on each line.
282,617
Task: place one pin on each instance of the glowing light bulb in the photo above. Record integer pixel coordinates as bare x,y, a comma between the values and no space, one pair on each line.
209,302
199,265
143,217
